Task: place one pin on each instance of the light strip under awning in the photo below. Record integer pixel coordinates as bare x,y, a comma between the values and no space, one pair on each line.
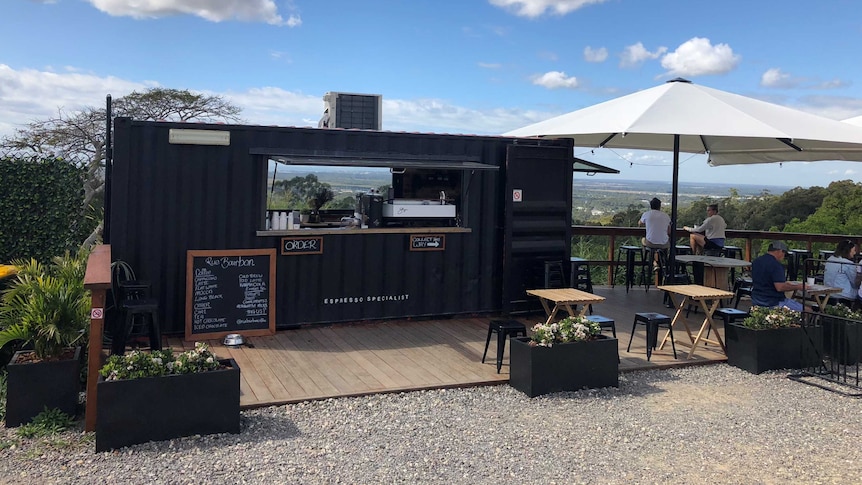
372,159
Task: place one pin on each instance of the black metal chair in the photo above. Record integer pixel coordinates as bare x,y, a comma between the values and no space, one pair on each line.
137,310
504,329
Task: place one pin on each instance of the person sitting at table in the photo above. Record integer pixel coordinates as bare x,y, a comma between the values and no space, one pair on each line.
708,236
657,228
842,272
769,281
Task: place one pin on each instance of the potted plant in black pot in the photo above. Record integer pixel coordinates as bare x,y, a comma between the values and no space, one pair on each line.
154,396
842,335
46,311
319,198
770,339
568,355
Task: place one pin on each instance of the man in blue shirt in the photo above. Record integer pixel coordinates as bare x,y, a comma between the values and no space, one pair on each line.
769,281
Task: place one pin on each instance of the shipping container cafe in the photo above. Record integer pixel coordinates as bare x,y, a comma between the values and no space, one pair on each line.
465,228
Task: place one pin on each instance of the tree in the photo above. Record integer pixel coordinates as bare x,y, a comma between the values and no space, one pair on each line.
79,137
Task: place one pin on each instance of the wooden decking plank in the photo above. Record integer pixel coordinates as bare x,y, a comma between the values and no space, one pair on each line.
320,355
342,371
291,360
350,359
446,351
278,380
379,343
386,372
294,342
418,359
256,385
291,380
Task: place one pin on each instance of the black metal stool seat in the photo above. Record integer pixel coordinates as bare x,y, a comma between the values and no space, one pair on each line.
742,287
139,315
728,315
652,321
631,252
504,330
604,322
652,258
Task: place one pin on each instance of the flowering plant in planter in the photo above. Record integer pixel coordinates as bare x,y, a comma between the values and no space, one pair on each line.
842,311
761,318
137,364
569,329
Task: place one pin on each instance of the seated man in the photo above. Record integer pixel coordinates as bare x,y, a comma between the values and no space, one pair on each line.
657,228
708,236
768,279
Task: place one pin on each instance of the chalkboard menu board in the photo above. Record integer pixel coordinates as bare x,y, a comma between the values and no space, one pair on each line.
230,291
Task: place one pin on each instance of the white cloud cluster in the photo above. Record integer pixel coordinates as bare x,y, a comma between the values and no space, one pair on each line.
536,8
555,80
595,55
776,78
636,54
698,57
212,10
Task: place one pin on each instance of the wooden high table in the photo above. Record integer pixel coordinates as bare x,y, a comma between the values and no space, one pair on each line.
709,299
565,299
712,270
819,293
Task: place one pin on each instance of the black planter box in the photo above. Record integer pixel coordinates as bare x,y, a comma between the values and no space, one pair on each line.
842,339
536,370
31,387
757,351
160,408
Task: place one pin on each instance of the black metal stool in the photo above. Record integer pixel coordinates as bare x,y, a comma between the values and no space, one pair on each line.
631,252
579,277
141,318
796,263
741,287
729,315
650,258
732,252
504,329
652,321
555,277
604,322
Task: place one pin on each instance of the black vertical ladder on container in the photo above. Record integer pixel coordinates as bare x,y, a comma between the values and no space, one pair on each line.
538,219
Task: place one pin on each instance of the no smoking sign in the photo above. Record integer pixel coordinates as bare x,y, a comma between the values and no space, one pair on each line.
517,195
97,313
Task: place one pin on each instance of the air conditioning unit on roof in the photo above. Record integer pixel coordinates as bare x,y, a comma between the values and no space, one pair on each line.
352,110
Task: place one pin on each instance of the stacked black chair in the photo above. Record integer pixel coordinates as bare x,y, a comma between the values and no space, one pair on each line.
138,312
504,329
652,321
580,276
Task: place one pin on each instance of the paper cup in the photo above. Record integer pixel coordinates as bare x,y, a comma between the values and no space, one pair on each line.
809,281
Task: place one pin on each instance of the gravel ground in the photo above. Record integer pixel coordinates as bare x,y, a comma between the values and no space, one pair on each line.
707,424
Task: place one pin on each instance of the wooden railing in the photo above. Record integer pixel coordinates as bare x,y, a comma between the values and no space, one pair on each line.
98,280
811,242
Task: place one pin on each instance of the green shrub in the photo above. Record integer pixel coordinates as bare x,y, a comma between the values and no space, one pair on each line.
48,422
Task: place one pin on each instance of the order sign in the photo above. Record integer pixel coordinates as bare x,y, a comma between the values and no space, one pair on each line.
301,245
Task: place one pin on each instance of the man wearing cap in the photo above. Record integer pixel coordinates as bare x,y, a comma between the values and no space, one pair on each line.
768,279
657,227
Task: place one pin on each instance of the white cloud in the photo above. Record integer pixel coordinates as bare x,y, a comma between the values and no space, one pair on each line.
536,8
595,55
776,78
212,10
555,79
29,95
698,57
635,54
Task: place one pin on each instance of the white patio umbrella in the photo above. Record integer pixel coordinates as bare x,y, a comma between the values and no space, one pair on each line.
685,117
856,120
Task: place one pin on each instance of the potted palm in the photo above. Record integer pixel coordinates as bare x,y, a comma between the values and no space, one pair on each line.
153,396
771,338
45,311
319,198
568,355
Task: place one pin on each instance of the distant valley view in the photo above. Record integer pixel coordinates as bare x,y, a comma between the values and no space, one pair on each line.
595,198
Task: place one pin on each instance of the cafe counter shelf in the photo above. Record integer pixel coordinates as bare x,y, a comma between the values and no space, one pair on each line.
355,230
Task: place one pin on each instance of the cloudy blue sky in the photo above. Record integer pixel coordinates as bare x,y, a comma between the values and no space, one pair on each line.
465,66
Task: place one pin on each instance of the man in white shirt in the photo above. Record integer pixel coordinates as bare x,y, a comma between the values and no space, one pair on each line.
657,227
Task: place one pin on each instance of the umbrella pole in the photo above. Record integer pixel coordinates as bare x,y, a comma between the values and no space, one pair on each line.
673,201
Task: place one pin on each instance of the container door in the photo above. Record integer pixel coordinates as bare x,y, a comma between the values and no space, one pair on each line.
538,220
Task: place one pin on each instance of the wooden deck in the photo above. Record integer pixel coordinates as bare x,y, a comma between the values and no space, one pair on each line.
367,358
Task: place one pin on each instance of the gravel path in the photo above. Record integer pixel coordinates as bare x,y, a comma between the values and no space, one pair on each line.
707,424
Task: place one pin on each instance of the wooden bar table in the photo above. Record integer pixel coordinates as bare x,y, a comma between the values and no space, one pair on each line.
819,293
565,299
712,270
709,299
